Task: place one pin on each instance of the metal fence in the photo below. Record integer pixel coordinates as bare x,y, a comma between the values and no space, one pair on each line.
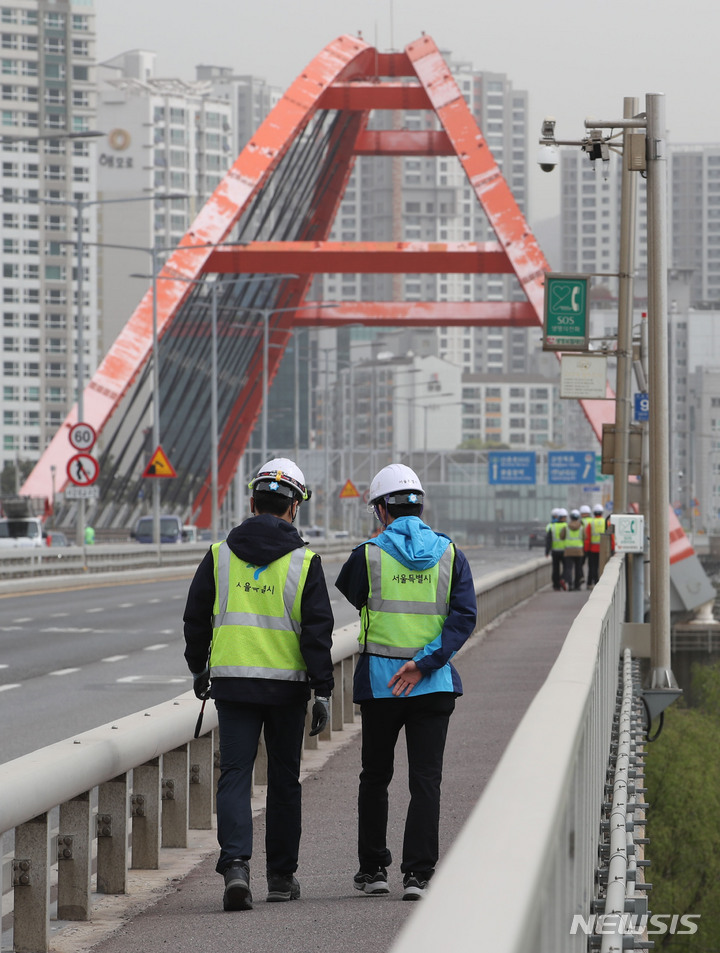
525,862
86,810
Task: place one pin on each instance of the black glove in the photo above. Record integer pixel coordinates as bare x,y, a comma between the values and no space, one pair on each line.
320,715
201,684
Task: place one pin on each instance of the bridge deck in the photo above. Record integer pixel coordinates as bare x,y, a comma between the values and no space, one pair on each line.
501,673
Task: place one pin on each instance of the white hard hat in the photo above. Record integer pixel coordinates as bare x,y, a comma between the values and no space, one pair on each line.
393,479
281,475
574,514
555,511
563,512
598,509
585,509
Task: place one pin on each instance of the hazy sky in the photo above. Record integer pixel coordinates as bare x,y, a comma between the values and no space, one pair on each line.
575,58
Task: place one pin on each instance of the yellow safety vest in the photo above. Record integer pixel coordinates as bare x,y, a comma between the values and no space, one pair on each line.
406,608
598,528
256,624
556,543
574,542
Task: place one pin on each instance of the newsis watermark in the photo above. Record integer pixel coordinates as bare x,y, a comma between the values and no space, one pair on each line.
614,924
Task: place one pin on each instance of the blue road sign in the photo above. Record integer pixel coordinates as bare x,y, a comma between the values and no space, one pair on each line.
642,407
571,466
506,466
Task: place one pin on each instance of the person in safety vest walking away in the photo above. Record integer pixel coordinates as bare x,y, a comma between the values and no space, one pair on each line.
258,632
417,603
555,546
593,531
573,537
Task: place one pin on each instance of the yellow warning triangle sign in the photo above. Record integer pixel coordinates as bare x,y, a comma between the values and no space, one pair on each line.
349,491
159,465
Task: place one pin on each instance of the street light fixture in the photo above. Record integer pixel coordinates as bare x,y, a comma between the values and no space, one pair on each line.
214,286
652,160
80,204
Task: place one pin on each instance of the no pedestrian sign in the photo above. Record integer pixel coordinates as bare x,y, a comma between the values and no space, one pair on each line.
82,469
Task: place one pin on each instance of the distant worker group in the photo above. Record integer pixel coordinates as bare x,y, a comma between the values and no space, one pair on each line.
572,540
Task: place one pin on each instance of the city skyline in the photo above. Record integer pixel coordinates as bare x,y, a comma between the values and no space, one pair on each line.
575,60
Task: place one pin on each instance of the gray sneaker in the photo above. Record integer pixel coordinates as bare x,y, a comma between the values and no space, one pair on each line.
372,881
237,894
414,886
282,887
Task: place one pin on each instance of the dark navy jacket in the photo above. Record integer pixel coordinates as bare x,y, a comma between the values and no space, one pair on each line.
261,540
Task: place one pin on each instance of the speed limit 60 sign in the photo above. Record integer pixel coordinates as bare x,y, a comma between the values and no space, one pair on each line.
82,436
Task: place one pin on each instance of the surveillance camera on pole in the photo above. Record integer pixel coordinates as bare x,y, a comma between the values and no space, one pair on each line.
548,153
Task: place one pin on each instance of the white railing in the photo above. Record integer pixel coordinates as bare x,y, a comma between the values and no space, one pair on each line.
107,557
146,775
525,861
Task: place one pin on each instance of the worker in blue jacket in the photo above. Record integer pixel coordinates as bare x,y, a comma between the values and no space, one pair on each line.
417,603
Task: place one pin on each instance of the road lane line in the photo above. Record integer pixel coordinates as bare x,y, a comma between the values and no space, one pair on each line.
114,658
64,671
155,648
6,688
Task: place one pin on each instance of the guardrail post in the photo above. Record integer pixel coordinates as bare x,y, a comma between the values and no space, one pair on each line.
146,816
75,859
336,701
31,882
346,688
112,836
200,801
260,768
175,785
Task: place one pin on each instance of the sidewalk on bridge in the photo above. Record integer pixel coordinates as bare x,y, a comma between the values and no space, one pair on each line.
175,910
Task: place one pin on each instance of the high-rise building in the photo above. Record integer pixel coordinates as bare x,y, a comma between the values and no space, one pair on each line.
590,219
47,62
165,137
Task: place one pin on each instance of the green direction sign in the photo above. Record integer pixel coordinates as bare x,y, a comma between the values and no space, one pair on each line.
567,323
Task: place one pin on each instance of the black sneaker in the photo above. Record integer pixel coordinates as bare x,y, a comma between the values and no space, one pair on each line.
372,881
237,894
282,887
414,886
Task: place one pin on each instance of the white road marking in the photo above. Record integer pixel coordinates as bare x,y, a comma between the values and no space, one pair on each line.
155,648
59,615
6,688
67,629
114,658
126,605
153,600
64,671
3,666
10,628
96,609
23,620
153,679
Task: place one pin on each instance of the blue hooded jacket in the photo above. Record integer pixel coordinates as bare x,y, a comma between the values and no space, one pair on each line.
417,546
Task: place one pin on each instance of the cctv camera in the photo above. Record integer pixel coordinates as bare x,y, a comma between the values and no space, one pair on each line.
548,157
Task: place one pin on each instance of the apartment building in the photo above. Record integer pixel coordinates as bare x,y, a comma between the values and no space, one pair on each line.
166,137
48,172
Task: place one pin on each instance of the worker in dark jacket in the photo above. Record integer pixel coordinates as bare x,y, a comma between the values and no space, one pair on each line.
417,603
258,633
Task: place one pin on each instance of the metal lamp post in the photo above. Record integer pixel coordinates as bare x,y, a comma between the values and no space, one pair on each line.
80,205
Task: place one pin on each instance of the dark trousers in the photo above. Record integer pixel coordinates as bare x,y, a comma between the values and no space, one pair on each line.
240,726
557,567
593,567
425,719
573,568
